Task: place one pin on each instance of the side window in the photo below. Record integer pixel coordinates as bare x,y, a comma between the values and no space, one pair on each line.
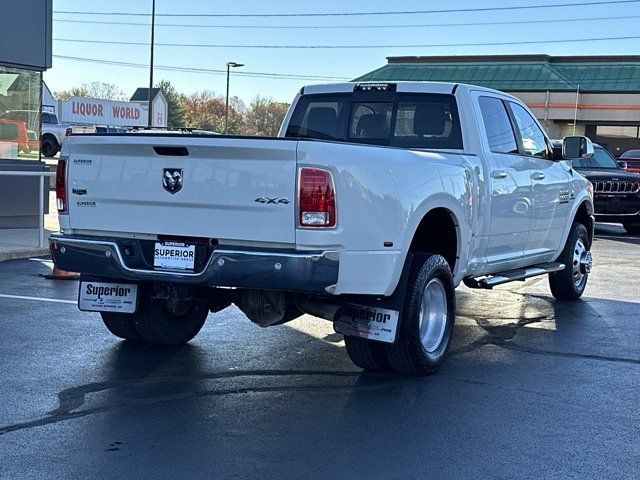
533,139
45,118
429,121
370,121
497,125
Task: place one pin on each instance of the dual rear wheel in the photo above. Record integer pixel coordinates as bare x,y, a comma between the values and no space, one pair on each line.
161,321
426,326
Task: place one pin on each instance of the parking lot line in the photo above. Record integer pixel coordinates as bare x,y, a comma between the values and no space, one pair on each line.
38,299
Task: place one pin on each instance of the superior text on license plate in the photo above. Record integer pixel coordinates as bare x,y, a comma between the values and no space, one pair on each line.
107,297
174,256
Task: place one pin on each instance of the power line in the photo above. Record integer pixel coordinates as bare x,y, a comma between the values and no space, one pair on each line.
201,70
335,47
313,77
351,27
351,14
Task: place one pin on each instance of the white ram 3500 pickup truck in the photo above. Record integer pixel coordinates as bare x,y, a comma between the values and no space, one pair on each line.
373,204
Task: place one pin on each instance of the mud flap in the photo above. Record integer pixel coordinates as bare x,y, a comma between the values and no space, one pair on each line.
374,318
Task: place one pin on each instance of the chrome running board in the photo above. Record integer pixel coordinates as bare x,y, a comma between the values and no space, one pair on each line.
513,275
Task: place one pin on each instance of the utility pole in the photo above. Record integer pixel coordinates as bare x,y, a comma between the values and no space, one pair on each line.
149,97
575,113
226,106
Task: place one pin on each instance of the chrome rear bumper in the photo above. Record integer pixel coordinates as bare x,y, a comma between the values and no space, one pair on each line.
289,270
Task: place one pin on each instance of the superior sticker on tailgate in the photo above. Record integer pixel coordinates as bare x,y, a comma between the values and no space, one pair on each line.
367,322
108,297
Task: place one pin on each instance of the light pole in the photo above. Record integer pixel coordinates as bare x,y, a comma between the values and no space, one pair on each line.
226,107
149,97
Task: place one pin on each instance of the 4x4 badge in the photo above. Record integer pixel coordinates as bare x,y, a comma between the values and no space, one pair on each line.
172,179
276,200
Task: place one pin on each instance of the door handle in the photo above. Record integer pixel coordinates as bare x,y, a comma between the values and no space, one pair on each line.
498,174
537,176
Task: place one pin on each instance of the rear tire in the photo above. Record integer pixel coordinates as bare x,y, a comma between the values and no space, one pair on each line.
121,325
426,326
633,229
569,284
49,147
170,322
366,354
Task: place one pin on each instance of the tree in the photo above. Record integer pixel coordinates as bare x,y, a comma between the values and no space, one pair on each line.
107,91
205,111
265,116
66,94
175,101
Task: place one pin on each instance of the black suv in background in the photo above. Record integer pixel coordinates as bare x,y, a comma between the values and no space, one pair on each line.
632,157
616,191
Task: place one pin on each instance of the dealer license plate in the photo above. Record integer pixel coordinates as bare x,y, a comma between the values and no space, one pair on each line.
108,297
367,322
174,256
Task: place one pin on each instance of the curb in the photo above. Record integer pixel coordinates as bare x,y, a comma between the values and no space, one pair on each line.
26,253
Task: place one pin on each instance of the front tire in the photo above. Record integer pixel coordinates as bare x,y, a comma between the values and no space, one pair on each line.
633,229
170,322
121,325
426,326
569,284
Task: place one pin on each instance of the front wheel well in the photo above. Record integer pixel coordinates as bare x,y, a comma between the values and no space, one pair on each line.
437,233
584,217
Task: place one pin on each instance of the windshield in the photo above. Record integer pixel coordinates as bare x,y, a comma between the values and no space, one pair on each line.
601,159
631,154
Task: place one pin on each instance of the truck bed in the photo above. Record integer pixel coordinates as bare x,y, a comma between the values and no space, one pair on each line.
190,185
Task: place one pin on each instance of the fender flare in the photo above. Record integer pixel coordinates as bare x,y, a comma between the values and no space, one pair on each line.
463,235
582,199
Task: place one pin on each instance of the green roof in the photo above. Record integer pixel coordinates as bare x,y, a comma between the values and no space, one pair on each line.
517,72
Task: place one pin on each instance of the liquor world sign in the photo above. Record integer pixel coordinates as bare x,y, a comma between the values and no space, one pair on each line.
94,111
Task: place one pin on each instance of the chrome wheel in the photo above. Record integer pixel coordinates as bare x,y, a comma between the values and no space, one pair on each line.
582,263
433,315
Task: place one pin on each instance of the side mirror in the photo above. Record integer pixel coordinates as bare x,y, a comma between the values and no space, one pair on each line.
623,165
577,147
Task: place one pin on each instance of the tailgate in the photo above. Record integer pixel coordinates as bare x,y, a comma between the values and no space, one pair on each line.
186,185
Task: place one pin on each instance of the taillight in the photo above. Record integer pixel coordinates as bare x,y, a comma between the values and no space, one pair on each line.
316,198
61,186
68,132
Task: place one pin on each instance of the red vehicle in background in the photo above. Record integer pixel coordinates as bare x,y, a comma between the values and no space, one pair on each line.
632,157
15,131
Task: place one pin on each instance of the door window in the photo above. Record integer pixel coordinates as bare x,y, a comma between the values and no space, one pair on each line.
497,125
533,138
429,123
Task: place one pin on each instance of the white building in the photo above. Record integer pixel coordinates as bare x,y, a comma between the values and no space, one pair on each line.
95,111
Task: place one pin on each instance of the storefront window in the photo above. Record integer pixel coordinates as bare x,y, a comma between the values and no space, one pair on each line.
616,138
20,92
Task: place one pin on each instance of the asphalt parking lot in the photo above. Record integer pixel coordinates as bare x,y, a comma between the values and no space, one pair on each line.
531,388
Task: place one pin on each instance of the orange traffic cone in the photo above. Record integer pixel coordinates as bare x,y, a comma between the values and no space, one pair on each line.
58,274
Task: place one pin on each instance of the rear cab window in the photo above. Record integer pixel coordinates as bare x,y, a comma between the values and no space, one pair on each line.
409,120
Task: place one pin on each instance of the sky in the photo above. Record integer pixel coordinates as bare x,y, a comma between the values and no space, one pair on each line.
202,23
